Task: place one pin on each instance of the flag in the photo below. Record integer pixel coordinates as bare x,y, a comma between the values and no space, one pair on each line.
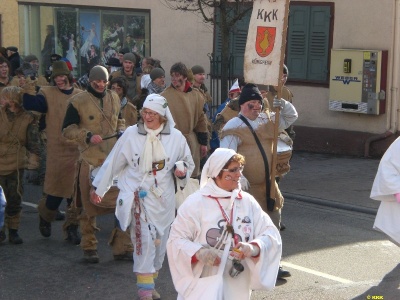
266,42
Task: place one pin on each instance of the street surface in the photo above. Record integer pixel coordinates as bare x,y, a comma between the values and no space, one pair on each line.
331,253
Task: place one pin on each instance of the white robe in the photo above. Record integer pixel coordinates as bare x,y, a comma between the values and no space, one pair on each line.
385,186
198,222
123,162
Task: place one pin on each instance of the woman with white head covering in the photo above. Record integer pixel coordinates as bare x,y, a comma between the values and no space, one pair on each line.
144,161
217,210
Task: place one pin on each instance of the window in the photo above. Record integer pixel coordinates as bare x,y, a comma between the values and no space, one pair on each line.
84,36
308,42
309,37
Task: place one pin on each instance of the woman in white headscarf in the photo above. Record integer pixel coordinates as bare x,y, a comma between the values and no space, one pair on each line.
144,161
204,219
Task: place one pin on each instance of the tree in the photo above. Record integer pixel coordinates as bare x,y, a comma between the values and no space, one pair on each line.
230,11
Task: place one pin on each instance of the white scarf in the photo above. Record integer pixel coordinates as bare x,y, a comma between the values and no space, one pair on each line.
153,150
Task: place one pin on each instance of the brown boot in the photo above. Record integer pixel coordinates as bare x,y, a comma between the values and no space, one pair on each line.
91,256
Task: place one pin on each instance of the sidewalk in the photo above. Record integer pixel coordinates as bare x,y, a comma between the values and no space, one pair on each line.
336,181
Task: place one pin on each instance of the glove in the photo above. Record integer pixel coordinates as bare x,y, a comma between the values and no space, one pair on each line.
397,197
208,257
248,249
279,103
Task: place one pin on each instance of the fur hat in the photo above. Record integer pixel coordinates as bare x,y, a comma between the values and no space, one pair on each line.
157,73
60,68
30,58
27,69
98,73
198,70
130,56
249,92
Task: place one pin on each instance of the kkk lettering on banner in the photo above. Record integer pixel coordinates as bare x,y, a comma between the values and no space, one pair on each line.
262,59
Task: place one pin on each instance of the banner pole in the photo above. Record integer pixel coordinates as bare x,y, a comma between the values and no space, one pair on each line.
277,110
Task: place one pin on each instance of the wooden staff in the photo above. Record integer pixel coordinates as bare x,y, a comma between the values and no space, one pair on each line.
277,110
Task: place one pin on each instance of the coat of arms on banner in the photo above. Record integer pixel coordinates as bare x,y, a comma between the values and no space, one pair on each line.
265,40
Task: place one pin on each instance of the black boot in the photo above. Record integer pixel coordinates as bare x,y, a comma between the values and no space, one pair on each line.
13,237
2,236
44,227
73,235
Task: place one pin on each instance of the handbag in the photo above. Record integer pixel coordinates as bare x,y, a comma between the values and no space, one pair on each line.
211,287
181,195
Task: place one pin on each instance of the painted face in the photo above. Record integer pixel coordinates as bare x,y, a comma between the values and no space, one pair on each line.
178,81
35,65
62,82
99,85
116,88
251,109
160,81
151,118
230,177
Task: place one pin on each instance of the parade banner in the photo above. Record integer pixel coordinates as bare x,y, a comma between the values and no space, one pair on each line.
266,42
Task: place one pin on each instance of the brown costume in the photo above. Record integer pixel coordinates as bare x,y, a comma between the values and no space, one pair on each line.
130,114
61,155
187,111
14,138
97,117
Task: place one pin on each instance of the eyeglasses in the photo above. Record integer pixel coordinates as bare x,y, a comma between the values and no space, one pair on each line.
149,113
234,170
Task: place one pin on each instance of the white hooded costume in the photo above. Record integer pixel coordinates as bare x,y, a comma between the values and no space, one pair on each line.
384,188
199,224
144,160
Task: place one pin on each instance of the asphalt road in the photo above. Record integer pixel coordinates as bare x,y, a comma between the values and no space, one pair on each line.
331,253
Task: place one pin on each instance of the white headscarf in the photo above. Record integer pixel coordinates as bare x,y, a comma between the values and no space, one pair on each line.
215,163
153,148
160,105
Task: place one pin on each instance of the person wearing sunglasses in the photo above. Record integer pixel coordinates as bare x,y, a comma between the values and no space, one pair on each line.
220,213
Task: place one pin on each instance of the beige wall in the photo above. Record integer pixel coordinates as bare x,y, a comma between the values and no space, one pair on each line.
355,26
9,24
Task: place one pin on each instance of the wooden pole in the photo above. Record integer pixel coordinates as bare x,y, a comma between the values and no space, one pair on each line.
277,110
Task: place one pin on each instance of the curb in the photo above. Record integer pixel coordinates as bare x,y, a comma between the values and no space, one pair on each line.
330,203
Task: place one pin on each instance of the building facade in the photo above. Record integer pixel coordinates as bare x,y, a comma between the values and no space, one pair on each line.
315,29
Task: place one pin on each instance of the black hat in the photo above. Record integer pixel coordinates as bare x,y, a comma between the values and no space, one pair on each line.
198,70
124,50
113,62
249,92
12,48
157,73
55,57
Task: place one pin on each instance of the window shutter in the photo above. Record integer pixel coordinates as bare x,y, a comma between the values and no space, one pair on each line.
239,39
317,65
297,45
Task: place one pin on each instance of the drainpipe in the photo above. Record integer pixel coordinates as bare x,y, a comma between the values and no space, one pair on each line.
393,104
